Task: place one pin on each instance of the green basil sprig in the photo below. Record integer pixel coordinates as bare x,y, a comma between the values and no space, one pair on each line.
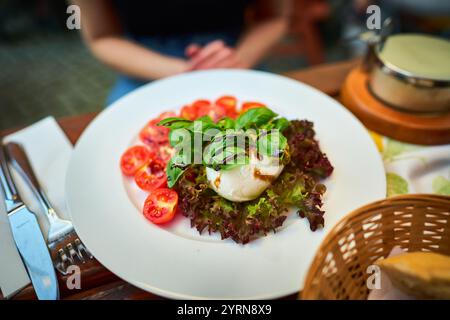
215,138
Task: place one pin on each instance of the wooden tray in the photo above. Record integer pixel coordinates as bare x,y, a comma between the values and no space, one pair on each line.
429,129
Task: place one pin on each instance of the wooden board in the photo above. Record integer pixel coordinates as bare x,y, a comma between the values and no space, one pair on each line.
407,127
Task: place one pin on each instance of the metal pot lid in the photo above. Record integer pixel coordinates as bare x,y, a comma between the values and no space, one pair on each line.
417,55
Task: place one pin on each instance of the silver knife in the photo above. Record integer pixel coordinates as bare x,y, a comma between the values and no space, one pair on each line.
28,237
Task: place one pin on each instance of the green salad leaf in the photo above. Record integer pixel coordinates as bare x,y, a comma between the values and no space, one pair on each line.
298,186
254,118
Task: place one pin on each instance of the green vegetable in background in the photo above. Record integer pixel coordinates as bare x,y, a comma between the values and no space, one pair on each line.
441,185
396,184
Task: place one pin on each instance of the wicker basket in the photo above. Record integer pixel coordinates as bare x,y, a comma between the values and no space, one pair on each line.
413,222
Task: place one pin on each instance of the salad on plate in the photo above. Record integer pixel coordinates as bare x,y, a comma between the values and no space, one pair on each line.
232,168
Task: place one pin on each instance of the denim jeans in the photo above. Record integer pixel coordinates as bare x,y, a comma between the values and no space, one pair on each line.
172,46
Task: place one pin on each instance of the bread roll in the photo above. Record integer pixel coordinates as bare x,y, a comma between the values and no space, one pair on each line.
425,275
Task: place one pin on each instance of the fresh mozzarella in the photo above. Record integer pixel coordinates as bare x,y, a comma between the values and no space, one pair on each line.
246,182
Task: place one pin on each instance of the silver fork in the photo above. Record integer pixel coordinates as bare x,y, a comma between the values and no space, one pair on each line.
58,228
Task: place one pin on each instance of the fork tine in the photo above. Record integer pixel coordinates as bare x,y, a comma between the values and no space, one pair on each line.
82,248
70,253
62,261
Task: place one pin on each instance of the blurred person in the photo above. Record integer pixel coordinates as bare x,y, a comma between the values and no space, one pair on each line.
149,40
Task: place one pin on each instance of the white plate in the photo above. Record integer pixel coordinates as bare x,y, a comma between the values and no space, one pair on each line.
175,262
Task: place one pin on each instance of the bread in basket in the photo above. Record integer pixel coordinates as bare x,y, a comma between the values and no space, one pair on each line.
412,222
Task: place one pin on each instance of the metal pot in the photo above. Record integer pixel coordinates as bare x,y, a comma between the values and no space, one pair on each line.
402,88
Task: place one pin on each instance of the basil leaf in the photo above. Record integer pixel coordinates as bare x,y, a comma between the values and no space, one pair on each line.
211,151
226,123
202,124
225,157
281,124
238,162
230,166
179,137
254,118
174,172
225,148
174,123
272,144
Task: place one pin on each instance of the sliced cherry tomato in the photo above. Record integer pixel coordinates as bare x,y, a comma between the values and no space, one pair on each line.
229,103
201,104
188,112
251,105
133,159
162,116
216,112
162,151
152,133
205,108
197,109
201,108
165,152
152,175
161,205
167,114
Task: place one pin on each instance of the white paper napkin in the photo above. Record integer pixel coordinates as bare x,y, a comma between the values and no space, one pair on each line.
49,151
13,275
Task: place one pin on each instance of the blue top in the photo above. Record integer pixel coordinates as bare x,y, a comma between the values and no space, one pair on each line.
169,26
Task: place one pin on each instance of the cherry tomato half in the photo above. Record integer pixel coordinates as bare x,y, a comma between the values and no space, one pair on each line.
229,103
197,109
161,205
133,159
217,112
152,175
201,108
162,151
201,104
188,112
165,152
152,133
251,105
162,116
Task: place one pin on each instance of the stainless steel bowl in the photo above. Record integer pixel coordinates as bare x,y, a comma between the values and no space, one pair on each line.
402,89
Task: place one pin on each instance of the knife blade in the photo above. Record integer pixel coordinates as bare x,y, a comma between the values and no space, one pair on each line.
28,237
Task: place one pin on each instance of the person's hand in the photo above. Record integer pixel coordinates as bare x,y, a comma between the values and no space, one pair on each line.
214,55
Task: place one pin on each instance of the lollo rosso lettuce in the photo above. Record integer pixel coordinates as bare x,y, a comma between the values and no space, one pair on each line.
298,186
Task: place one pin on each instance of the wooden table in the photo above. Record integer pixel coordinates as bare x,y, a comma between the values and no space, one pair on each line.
99,283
